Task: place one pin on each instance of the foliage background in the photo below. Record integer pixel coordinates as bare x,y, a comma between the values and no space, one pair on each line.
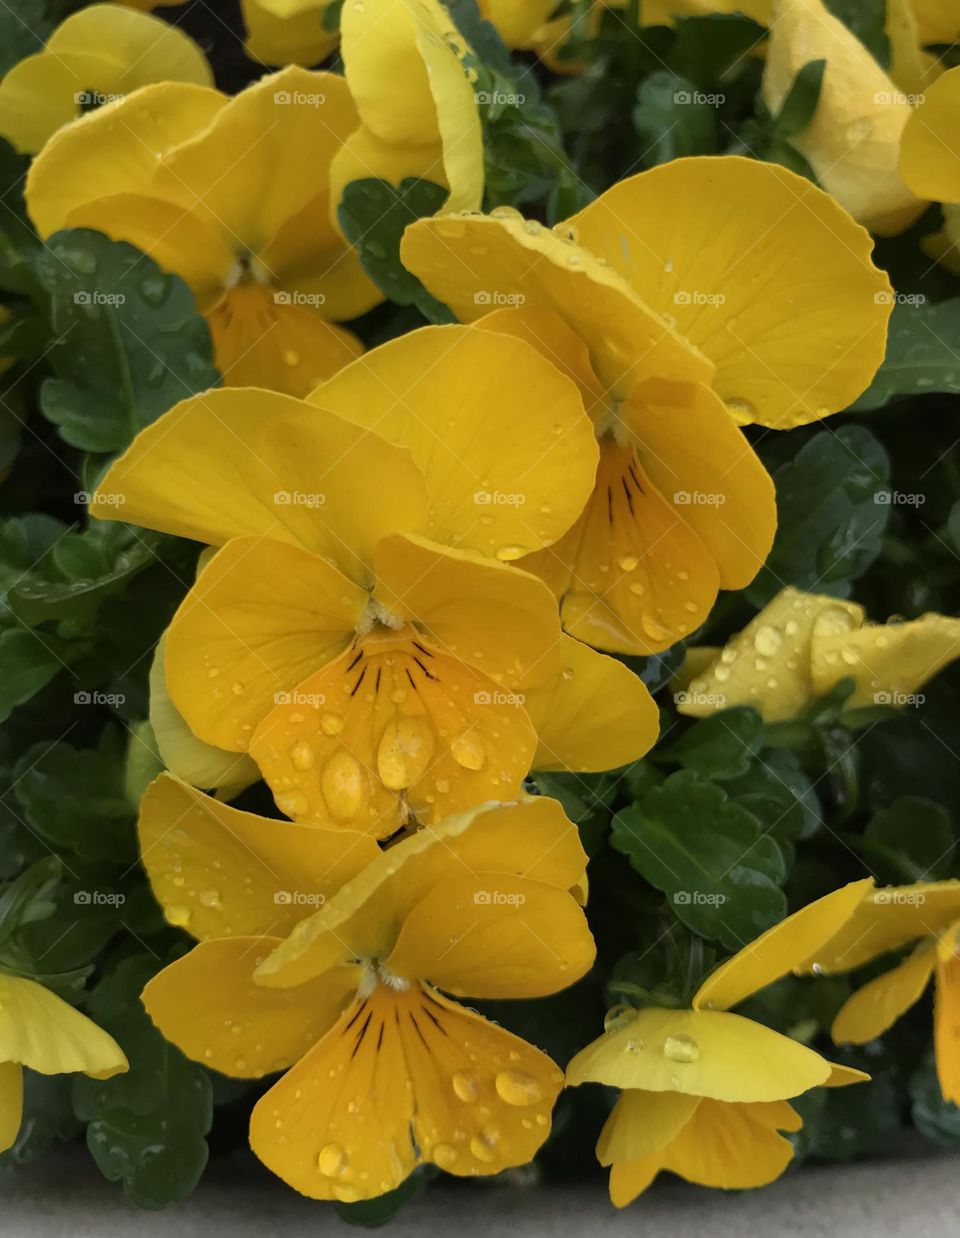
812,804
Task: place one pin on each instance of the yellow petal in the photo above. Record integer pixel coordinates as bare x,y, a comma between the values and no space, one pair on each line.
706,1053
517,23
244,462
938,21
494,936
728,1147
767,665
472,263
496,618
631,575
262,617
929,159
115,150
97,54
183,753
946,1028
416,1078
593,714
699,460
631,1178
758,268
780,949
415,42
39,1030
497,431
395,729
887,919
642,1123
546,331
11,1103
853,141
264,156
364,156
888,662
262,339
842,1077
911,68
286,32
532,839
208,1005
879,1003
220,872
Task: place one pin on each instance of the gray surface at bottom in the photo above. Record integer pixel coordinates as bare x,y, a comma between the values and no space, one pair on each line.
919,1198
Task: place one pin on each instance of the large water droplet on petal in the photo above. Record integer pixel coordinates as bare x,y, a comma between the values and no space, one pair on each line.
404,752
468,751
617,1017
342,785
767,641
516,1087
332,1160
681,1048
444,1154
465,1086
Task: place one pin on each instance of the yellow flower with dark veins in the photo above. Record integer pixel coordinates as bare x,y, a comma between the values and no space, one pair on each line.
95,56
383,1070
403,61
43,1032
930,162
702,293
704,1092
802,644
233,195
925,916
361,631
853,139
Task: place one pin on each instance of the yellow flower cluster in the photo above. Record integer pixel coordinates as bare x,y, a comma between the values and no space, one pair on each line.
416,562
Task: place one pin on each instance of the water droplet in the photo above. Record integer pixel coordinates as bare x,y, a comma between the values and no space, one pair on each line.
444,1154
331,724
627,563
767,641
332,1160
516,1087
210,897
342,785
482,1147
681,1048
302,755
743,410
291,357
155,289
180,916
618,1017
293,804
468,751
507,553
404,752
465,1086
349,1194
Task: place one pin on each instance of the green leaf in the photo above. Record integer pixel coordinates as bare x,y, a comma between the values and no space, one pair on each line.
27,663
721,746
674,118
708,855
48,1118
709,47
585,798
800,102
146,1127
76,799
912,838
840,1124
373,215
921,352
933,1116
28,899
830,519
24,29
867,20
130,342
17,237
779,794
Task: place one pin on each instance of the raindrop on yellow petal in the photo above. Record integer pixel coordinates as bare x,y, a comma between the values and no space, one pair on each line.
342,785
180,916
347,1194
332,1160
681,1048
617,1017
465,1086
445,1155
468,751
404,752
515,1087
482,1147
331,724
767,641
302,755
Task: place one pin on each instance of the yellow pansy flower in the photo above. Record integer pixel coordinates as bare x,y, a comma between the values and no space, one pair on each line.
801,644
403,62
232,194
361,631
930,162
926,916
938,21
704,292
853,140
281,32
383,1070
42,1031
704,1093
95,56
